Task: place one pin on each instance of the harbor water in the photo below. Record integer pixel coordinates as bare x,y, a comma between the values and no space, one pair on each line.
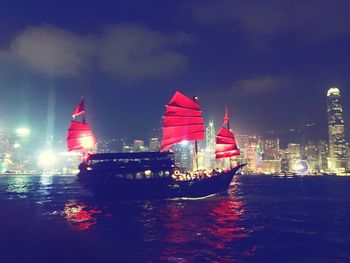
262,219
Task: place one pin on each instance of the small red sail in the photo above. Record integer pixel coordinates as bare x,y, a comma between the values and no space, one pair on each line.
226,145
182,121
80,137
80,109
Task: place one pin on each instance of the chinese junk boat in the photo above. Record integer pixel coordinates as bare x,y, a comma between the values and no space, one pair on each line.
153,175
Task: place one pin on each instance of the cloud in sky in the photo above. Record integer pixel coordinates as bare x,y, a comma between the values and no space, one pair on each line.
260,84
136,51
311,20
51,50
126,50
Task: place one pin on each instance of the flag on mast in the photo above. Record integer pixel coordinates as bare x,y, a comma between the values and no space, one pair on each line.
80,109
226,117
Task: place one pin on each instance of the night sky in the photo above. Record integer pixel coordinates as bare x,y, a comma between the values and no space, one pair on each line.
270,62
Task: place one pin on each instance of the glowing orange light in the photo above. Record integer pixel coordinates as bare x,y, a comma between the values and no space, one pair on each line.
87,142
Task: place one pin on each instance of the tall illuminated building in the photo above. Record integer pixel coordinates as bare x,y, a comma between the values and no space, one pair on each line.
337,146
323,152
293,155
183,155
210,146
310,154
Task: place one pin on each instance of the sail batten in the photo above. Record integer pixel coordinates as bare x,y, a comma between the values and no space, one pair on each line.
182,121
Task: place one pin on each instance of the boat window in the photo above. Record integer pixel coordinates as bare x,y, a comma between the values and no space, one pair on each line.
148,173
139,175
129,176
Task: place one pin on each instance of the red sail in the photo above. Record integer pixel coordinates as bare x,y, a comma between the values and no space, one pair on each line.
80,109
80,137
226,145
182,121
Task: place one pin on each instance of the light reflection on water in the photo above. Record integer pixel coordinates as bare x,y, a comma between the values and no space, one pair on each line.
81,216
18,185
261,220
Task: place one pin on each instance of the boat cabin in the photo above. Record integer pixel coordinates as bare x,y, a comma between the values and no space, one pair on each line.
135,165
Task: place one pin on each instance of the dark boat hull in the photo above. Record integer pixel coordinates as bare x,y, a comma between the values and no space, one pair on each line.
157,188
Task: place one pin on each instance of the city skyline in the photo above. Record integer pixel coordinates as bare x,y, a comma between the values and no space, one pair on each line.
287,133
261,154
270,68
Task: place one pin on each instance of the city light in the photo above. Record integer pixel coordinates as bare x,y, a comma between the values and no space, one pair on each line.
16,146
301,167
46,158
184,143
23,132
87,142
333,91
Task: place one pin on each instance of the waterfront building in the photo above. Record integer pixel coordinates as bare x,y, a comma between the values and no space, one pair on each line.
348,158
310,154
7,142
154,144
139,146
201,159
270,149
293,155
322,156
271,166
127,148
284,161
337,147
251,152
250,158
183,155
109,145
7,149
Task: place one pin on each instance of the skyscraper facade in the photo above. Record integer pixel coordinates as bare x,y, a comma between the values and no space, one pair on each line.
210,146
337,146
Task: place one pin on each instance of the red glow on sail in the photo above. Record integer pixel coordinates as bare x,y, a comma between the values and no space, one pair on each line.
80,109
80,137
226,145
182,121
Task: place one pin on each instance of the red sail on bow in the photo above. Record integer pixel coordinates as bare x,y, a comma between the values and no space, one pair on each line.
80,137
182,121
226,145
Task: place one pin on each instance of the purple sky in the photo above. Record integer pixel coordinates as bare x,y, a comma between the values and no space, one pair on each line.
270,61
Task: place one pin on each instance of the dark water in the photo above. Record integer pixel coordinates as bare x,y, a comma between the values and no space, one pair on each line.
263,219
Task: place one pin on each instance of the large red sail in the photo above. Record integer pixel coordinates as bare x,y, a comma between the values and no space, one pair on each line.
226,145
182,121
80,137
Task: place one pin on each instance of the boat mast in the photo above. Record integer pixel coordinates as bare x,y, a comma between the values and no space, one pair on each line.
228,128
195,98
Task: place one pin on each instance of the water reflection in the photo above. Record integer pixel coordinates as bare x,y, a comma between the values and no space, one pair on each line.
18,185
80,215
203,233
46,180
193,231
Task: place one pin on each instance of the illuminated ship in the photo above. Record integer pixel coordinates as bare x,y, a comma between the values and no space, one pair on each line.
154,175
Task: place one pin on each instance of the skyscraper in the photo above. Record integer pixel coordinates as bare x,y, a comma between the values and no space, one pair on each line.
210,146
337,146
293,155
